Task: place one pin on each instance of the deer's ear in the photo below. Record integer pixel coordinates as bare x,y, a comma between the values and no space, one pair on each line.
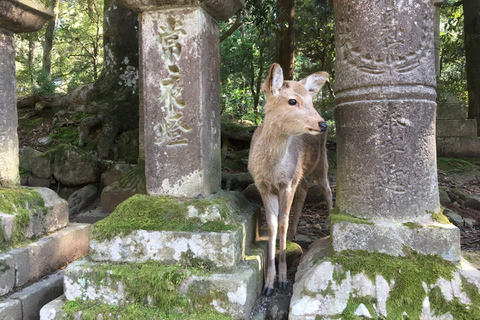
274,81
314,82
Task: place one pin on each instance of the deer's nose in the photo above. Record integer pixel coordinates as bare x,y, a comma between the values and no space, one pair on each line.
322,126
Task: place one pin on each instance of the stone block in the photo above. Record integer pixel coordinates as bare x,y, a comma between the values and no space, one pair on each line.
35,296
42,166
461,147
390,238
236,291
57,250
10,309
24,16
456,128
53,217
81,198
112,175
26,157
91,216
450,107
6,221
223,250
34,181
22,265
7,274
53,309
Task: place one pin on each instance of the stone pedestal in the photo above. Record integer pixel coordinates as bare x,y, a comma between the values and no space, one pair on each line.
15,17
180,94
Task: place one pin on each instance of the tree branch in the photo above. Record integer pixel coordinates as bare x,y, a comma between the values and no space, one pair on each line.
233,28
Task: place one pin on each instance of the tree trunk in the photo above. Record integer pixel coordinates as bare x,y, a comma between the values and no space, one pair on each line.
115,94
48,45
471,9
31,53
285,34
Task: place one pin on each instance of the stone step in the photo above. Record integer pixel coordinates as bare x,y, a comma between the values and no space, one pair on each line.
42,219
233,293
222,249
462,147
456,128
48,254
26,303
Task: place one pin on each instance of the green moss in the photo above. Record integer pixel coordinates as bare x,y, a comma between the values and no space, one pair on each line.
440,217
18,202
65,134
412,225
441,306
337,216
236,127
354,303
134,178
142,212
408,273
461,166
151,284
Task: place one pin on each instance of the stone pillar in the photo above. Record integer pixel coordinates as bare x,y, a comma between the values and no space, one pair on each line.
385,117
438,43
180,94
18,17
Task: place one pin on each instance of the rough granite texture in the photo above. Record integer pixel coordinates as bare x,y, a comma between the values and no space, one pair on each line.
23,16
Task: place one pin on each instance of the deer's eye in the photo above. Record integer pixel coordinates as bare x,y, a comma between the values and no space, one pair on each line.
292,102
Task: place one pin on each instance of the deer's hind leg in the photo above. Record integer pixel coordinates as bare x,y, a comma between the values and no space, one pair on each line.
300,196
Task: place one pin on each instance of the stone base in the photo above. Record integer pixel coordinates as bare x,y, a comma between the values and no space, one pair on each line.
391,238
328,290
456,128
229,293
462,147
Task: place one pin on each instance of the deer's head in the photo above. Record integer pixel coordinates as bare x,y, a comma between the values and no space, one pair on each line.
289,104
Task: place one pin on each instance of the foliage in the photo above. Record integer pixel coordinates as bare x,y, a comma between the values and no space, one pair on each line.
452,59
77,54
248,53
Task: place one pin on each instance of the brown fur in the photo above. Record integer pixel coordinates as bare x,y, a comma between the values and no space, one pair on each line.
285,148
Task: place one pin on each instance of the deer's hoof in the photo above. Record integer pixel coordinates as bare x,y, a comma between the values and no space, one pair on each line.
267,291
283,285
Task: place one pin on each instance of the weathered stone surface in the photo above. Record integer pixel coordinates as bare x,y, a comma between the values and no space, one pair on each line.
53,309
457,219
91,216
112,175
236,181
26,157
318,294
456,128
7,221
21,257
252,194
219,249
73,166
23,15
10,309
238,290
385,110
278,307
220,10
81,198
130,183
181,101
42,165
34,181
7,274
9,174
34,297
52,218
462,147
390,238
473,201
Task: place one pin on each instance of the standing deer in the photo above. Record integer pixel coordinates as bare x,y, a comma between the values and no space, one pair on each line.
288,145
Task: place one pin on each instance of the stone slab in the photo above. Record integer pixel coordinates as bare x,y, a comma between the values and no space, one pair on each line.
7,274
222,249
10,309
47,255
23,15
456,128
34,297
240,287
53,309
462,147
319,294
391,238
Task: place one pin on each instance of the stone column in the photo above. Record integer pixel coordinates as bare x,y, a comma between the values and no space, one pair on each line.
180,94
438,43
385,117
15,16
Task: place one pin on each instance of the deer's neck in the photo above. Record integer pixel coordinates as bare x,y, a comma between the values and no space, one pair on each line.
276,144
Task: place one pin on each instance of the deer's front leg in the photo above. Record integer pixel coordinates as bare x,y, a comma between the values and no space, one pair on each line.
270,202
285,199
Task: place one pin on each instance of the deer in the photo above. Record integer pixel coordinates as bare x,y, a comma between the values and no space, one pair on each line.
289,145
